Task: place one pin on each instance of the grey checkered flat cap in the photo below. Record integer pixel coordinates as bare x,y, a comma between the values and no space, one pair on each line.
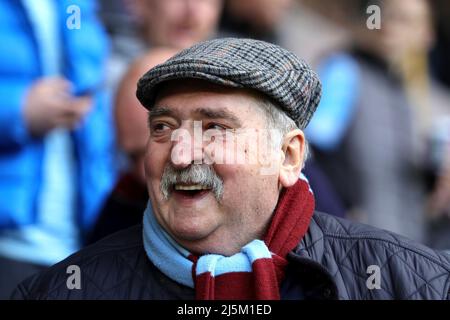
242,63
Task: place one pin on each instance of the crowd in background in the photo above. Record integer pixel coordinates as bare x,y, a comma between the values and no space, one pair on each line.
73,134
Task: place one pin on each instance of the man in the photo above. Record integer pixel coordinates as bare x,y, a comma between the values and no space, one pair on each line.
224,226
125,206
56,164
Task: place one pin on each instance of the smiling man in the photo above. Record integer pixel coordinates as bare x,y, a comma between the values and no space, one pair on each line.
219,225
199,205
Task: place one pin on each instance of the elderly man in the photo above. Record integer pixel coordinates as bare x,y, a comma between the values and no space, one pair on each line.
228,216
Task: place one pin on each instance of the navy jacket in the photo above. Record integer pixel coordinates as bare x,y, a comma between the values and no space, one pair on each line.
337,259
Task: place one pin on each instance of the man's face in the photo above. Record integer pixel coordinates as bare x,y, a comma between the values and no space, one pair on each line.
202,220
180,23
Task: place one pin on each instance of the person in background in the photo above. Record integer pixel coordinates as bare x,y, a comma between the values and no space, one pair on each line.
176,23
154,23
57,142
256,19
381,167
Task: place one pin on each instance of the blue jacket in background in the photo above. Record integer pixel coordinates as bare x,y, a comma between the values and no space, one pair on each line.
84,54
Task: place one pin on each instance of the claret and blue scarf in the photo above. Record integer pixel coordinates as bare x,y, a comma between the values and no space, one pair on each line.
255,272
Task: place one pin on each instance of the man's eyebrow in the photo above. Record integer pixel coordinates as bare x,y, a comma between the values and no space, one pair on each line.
159,111
218,114
205,112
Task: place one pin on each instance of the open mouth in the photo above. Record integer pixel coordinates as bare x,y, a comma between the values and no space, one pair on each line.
190,191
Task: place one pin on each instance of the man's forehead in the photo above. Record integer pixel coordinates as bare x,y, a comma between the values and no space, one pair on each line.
201,112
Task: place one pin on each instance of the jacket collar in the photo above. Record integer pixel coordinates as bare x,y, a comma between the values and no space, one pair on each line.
305,270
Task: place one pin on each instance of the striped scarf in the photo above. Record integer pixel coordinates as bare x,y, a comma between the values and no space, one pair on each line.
255,272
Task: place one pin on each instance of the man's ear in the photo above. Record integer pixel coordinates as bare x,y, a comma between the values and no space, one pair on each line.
292,157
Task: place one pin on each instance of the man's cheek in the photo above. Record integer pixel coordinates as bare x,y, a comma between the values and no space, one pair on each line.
156,157
147,167
139,169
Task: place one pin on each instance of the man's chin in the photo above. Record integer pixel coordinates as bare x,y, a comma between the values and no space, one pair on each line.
201,237
191,223
190,236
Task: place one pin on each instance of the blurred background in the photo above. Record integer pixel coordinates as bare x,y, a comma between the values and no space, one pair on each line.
73,134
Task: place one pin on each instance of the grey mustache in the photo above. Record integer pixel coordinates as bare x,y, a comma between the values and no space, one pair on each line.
194,174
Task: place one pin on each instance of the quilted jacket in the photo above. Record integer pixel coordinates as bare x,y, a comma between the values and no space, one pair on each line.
337,259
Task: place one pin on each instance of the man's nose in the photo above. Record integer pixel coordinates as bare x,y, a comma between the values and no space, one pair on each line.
187,148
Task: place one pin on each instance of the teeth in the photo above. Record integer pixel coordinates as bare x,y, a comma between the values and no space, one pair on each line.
190,187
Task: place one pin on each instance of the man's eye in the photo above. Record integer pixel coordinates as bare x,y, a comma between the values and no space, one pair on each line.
215,126
160,127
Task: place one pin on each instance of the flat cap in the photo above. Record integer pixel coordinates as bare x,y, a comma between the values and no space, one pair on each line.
242,63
